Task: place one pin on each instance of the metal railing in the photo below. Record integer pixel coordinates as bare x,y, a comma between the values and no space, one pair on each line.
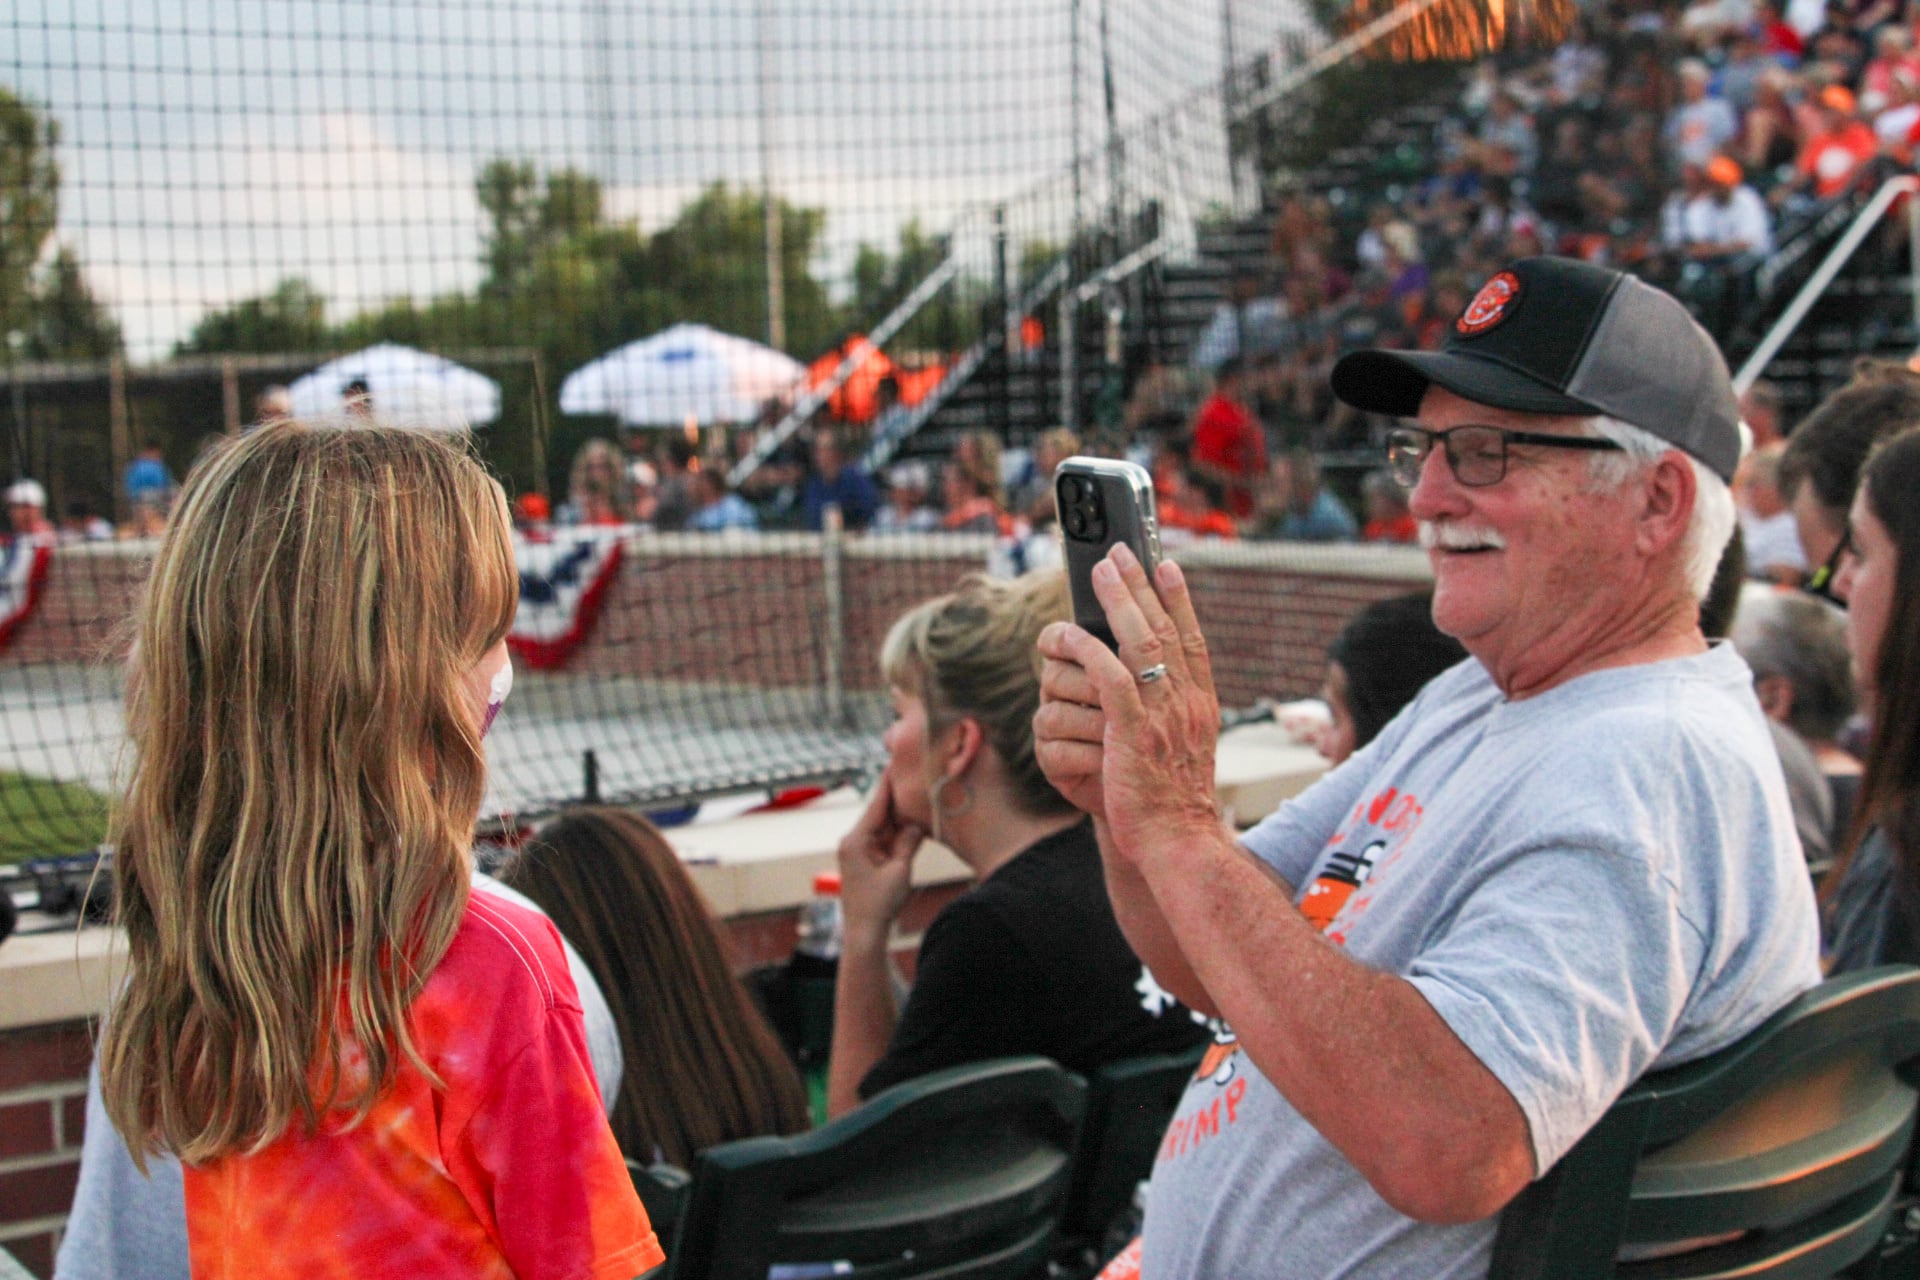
1837,258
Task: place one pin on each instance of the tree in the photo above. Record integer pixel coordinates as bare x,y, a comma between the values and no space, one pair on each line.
948,322
67,321
290,318
29,204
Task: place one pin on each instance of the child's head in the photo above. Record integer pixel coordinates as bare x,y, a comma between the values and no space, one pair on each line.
305,701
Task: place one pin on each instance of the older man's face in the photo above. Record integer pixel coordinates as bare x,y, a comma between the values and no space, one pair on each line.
1534,559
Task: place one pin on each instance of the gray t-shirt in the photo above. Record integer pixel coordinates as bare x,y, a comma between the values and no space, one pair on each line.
129,1226
1584,884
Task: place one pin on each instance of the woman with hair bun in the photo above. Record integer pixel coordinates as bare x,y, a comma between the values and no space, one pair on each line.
1030,960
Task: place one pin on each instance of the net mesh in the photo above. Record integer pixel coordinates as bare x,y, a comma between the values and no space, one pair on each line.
453,210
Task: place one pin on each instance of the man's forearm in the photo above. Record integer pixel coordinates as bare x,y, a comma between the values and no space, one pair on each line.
1359,1053
863,1019
1147,932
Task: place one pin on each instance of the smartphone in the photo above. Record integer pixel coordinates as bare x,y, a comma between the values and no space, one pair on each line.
1101,502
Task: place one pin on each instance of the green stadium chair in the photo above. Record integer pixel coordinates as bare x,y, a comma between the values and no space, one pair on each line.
1780,1156
663,1192
1128,1106
961,1174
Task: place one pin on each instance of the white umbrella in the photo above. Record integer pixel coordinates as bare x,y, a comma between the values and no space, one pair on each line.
404,387
688,371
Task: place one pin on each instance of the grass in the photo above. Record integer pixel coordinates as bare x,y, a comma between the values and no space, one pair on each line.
45,819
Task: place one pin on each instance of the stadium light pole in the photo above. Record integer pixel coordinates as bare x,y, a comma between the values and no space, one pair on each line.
770,203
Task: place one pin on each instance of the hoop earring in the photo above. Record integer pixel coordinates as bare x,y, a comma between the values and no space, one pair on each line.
937,803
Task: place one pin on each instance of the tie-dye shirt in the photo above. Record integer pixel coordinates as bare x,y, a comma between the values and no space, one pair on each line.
510,1171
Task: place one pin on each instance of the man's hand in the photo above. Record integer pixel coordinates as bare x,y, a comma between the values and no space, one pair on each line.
876,867
1138,754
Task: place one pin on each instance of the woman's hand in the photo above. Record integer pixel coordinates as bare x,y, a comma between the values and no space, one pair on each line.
876,867
1139,754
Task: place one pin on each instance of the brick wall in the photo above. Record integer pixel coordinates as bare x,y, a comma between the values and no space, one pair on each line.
43,1091
43,1087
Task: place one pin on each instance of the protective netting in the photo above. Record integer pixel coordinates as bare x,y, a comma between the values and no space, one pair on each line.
451,211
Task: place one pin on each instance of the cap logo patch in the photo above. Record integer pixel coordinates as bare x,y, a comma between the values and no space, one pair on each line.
1491,305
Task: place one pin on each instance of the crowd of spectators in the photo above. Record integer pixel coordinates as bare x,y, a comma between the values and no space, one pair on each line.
1676,142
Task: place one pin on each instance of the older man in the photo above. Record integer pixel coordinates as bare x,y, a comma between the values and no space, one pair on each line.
1569,860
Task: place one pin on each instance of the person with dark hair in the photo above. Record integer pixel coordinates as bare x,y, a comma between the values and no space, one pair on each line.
1873,896
713,1069
357,398
1824,454
838,481
1383,657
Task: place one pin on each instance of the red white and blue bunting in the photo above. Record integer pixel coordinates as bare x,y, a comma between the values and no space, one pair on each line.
24,563
563,579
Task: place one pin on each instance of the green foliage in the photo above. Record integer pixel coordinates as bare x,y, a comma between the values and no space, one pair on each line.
1333,110
29,203
51,308
563,280
290,318
881,281
67,322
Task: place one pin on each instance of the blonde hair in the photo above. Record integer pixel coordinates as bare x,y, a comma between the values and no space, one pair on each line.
617,491
291,853
972,655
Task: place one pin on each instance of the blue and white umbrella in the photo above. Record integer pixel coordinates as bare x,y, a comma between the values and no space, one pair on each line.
688,372
404,387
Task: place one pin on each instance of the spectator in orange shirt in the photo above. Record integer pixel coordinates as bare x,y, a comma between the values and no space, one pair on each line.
1193,505
1833,154
1388,519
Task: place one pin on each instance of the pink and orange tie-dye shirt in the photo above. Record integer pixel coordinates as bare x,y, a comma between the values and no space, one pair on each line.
510,1171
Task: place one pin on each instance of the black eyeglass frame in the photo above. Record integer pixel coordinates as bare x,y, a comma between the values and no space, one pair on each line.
1408,436
1820,584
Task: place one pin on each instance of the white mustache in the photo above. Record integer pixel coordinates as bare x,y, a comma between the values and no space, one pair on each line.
1458,537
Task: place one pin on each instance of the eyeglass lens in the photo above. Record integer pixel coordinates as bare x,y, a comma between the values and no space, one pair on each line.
1478,455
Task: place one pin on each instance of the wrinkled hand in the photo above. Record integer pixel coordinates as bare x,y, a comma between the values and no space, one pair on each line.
1139,755
876,866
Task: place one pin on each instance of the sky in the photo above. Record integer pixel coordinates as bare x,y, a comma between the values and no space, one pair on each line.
211,147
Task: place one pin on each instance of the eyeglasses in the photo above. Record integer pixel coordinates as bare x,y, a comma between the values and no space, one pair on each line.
1821,583
1477,454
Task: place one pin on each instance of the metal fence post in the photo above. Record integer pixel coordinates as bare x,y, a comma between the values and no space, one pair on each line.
832,581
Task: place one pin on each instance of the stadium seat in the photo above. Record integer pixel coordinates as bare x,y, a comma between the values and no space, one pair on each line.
961,1174
1780,1156
663,1190
1128,1106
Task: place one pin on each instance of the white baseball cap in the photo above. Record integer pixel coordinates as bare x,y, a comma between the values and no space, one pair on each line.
26,493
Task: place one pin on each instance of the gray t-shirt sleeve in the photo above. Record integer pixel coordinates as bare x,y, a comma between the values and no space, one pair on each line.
1565,972
124,1225
1292,837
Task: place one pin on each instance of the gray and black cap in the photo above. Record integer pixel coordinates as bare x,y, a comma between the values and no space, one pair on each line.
1560,336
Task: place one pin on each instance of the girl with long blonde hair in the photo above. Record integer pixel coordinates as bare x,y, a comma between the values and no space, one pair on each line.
318,1018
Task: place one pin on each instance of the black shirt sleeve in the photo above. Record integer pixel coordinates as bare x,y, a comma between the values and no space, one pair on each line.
973,996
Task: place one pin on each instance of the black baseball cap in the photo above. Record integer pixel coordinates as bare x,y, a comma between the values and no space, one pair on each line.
1561,336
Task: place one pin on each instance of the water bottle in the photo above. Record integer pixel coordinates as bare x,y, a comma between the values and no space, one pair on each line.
816,961
816,952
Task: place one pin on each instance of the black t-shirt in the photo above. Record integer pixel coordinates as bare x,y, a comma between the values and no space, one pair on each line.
1031,960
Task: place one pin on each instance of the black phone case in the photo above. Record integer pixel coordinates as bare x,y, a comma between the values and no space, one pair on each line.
1126,502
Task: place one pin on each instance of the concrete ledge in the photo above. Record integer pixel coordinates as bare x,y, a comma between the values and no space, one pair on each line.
747,866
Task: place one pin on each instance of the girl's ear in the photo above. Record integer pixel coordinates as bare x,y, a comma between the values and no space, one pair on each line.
965,741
